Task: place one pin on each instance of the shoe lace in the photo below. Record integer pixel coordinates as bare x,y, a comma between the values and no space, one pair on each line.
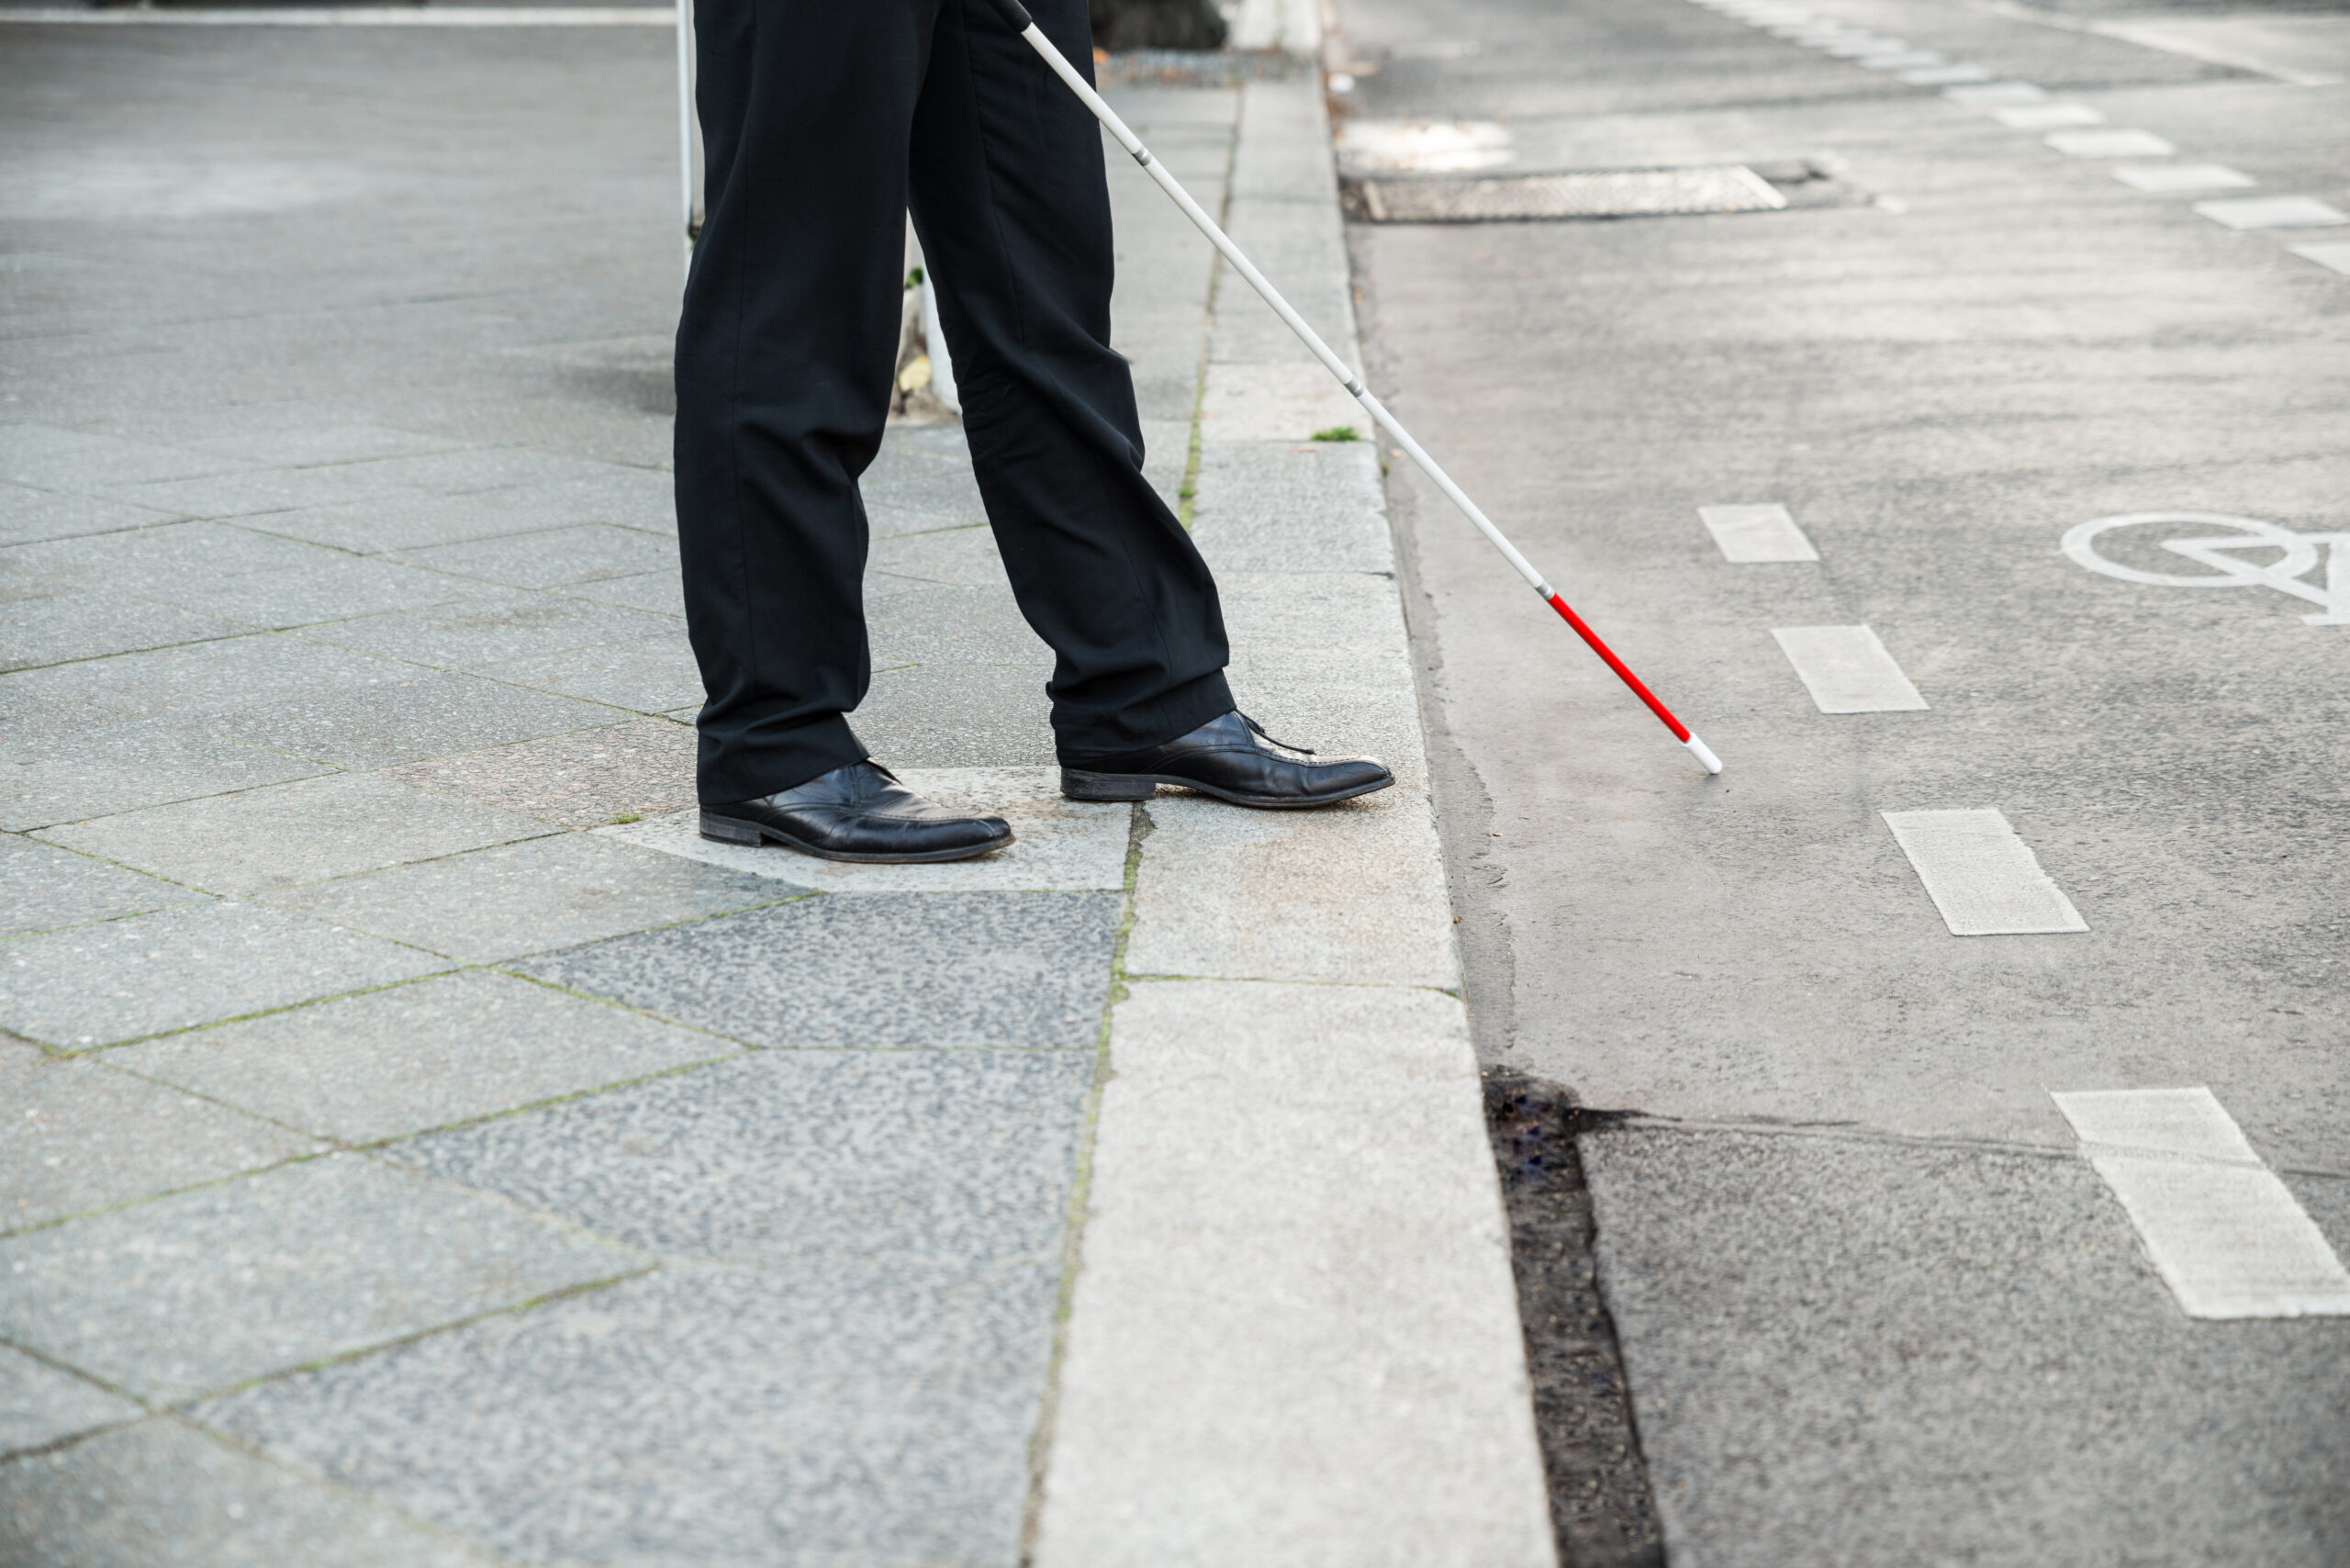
1262,734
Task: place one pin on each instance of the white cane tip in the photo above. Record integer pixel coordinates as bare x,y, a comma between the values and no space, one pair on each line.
1704,754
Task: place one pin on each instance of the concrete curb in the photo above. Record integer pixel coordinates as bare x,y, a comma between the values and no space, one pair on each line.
1294,1335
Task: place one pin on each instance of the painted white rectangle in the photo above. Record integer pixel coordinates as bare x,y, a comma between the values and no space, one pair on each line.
1848,670
1982,94
2273,212
1983,878
2163,178
2109,144
2047,117
1908,60
1947,75
1749,536
2336,255
2225,1233
1863,45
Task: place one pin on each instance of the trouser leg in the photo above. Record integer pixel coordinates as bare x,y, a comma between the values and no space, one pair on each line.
1010,198
785,349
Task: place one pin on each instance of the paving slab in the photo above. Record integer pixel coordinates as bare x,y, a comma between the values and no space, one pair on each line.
627,496
490,628
958,716
254,490
79,1135
474,469
43,887
55,458
41,1405
967,557
28,516
797,1160
95,985
413,715
333,589
936,625
530,897
66,776
162,1491
1327,1346
163,557
206,1289
879,971
1291,506
554,558
1279,400
648,675
288,446
186,682
1058,843
396,1061
91,625
799,1418
663,593
396,521
283,835
584,779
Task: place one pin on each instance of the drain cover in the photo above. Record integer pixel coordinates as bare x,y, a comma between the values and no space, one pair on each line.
1621,193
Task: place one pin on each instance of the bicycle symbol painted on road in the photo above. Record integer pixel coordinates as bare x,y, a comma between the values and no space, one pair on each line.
2224,554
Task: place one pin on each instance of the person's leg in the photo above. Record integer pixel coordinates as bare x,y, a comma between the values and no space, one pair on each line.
1011,201
784,357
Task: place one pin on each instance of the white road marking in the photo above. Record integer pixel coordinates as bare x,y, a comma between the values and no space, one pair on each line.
2273,212
1908,60
1947,75
1847,670
1982,94
2109,144
354,16
1862,45
1749,536
2226,1235
2047,117
2335,255
2165,177
1983,878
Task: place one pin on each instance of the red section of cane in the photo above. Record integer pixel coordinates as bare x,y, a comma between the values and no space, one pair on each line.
1623,671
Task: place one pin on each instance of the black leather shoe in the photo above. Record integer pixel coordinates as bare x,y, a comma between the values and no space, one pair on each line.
1234,759
857,812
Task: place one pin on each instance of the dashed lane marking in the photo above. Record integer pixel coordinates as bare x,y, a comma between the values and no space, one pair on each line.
2225,1233
1908,60
1752,535
2109,144
2163,178
1983,878
2046,117
2335,255
1983,95
1947,75
1848,670
2273,212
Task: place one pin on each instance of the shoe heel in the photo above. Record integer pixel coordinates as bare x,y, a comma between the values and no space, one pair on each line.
726,830
1080,786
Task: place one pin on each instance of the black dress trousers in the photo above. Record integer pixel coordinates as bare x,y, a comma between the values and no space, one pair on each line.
824,121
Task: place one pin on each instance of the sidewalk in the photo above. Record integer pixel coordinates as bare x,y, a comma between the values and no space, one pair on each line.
422,1148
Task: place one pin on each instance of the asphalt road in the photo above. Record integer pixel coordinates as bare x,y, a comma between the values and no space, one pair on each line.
1874,1305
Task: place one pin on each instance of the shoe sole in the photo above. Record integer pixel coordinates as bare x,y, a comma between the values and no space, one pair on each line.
1081,786
733,830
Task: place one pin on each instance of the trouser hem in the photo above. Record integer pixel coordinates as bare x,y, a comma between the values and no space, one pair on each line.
1178,713
739,769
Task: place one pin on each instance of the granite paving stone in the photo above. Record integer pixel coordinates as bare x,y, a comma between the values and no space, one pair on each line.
91,625
40,1405
958,716
255,490
648,675
162,1493
530,897
629,497
641,768
1291,507
64,775
95,985
394,520
421,713
28,516
285,834
43,887
53,458
554,558
965,556
388,1063
951,625
203,1290
295,447
167,557
490,628
663,593
78,1135
475,469
879,971
332,589
819,1418
796,1158
185,682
